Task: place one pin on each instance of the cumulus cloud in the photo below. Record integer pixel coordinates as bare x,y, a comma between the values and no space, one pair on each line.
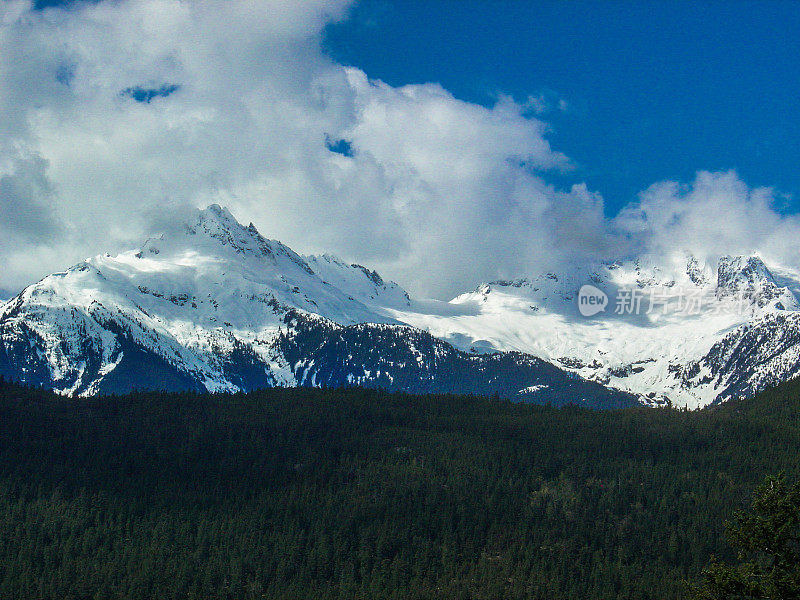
247,98
717,214
121,116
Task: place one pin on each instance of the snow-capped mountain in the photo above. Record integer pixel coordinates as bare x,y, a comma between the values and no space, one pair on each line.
219,307
676,330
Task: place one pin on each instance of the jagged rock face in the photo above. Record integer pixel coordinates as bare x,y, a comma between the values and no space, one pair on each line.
219,307
695,272
753,357
748,276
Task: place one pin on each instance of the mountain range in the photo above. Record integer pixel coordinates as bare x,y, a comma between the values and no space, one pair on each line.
218,307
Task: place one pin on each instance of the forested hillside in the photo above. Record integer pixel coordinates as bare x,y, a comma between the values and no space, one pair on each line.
303,493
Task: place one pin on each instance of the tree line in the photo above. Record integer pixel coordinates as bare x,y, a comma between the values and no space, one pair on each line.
305,493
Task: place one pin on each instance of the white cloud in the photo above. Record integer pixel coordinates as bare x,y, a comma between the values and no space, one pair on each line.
438,193
246,106
717,214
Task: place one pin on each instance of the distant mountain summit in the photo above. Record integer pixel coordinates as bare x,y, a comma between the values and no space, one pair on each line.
216,306
676,329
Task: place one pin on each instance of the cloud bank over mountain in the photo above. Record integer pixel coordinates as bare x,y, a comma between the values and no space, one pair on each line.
120,116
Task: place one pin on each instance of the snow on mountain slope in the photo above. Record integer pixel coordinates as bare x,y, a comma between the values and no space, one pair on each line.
219,307
225,268
361,284
188,298
664,336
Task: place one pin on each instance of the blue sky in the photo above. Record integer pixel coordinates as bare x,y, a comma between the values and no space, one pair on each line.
654,90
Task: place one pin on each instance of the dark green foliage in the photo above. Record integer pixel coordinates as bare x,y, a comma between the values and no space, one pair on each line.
363,494
768,539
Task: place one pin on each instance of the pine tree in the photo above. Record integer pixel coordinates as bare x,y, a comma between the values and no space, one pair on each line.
768,540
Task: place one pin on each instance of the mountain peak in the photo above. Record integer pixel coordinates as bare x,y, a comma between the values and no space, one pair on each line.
215,231
219,225
219,213
735,273
748,276
216,218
